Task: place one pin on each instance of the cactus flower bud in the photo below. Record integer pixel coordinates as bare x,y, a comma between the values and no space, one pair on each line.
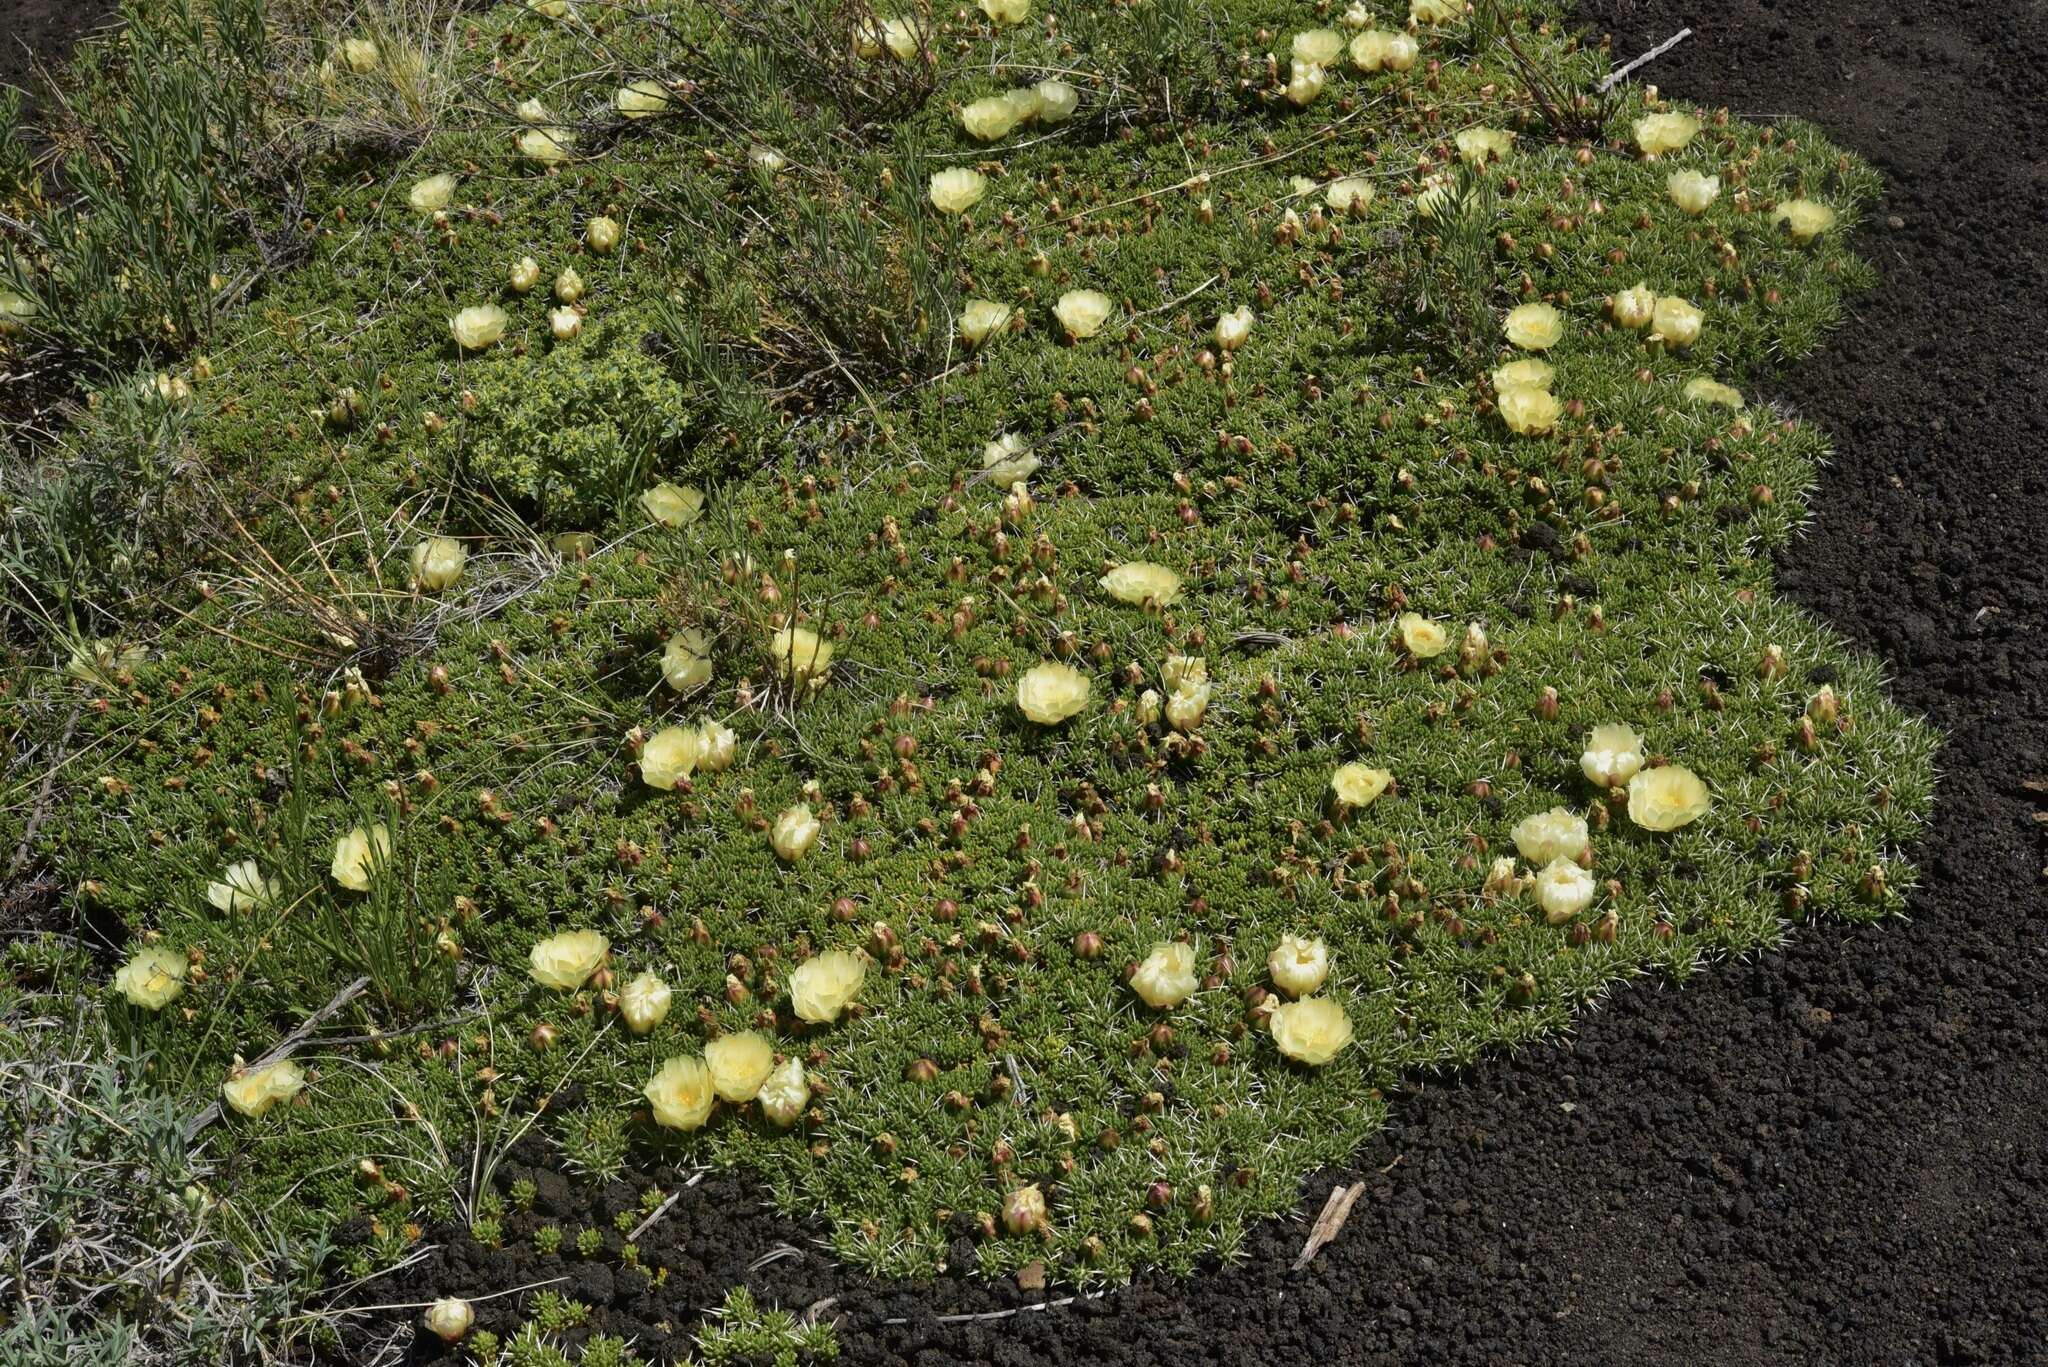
449,1318
1024,1210
794,833
644,1003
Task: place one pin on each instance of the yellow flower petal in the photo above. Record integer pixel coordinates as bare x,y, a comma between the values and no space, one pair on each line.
739,1064
152,978
1166,978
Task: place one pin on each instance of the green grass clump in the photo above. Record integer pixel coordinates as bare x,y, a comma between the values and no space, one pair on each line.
779,327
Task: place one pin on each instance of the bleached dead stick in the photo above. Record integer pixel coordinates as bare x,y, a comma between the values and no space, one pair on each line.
1336,1211
1003,1314
1615,78
658,1212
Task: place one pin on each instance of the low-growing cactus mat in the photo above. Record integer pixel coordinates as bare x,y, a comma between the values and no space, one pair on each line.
1000,615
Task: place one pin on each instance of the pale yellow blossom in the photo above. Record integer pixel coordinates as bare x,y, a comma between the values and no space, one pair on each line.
794,831
1299,964
1563,890
1546,836
826,984
1533,326
1527,410
152,978
644,1002
1142,583
739,1064
1051,692
566,960
256,1090
673,505
1664,132
670,755
1313,1030
1166,978
437,562
478,326
956,190
1356,786
681,1094
359,854
785,1094
242,887
1666,798
1420,637
1613,755
1083,312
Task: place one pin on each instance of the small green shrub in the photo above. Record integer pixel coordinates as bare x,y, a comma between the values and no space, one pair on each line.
1157,61
811,51
110,1195
530,1349
91,517
572,431
159,184
595,1143
744,1332
607,1350
553,1313
1307,488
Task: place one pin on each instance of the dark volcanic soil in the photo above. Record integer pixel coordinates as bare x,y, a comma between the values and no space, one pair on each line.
1838,1153
42,31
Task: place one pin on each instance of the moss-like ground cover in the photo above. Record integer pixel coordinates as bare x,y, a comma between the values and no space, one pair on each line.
779,328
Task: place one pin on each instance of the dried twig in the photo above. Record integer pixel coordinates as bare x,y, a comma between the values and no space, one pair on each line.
421,1305
1023,1093
285,1048
41,810
1567,115
1175,303
1004,1314
659,1211
378,1037
1336,1210
1619,74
